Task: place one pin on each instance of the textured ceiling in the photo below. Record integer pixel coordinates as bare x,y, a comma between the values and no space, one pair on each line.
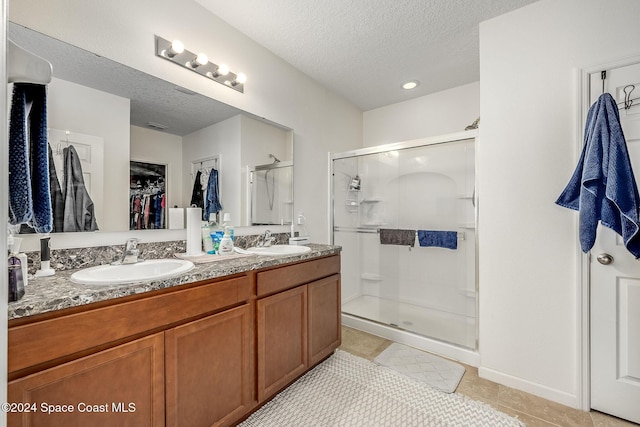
365,49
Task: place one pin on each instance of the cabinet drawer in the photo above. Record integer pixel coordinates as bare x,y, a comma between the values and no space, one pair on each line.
48,340
278,279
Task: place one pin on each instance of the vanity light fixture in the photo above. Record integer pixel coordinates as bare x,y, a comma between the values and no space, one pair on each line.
175,52
411,85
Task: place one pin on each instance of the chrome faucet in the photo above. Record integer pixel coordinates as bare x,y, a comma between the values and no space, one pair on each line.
130,253
265,240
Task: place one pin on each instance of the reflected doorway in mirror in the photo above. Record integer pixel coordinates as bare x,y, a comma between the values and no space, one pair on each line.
147,196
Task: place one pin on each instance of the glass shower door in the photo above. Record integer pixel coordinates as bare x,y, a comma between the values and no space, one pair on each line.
428,289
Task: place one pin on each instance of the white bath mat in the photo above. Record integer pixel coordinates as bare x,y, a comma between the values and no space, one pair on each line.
346,390
431,370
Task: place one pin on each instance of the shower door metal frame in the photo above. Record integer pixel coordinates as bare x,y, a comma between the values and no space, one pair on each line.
416,143
250,188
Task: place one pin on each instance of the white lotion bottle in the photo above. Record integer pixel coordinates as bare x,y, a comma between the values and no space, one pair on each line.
226,244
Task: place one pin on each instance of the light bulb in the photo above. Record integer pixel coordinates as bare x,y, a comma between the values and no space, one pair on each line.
223,69
241,78
176,47
202,59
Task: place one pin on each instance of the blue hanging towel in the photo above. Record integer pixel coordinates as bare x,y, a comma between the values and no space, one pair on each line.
212,202
603,187
29,196
441,239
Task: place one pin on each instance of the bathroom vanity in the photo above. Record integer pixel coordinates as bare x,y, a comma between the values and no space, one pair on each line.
205,348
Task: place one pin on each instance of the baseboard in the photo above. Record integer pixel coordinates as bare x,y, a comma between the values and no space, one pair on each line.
539,390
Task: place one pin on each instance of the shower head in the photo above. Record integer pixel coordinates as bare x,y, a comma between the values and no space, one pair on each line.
275,159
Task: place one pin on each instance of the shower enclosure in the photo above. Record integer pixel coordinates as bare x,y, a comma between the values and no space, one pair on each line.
271,193
429,290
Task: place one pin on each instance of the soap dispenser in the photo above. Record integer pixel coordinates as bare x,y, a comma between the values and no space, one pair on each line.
16,281
226,244
13,244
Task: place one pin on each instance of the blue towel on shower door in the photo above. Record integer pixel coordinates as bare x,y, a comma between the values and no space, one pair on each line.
603,187
29,196
441,239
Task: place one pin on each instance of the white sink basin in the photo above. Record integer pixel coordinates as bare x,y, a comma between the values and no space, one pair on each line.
275,250
152,269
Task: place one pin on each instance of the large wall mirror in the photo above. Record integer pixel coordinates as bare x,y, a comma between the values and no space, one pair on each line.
114,115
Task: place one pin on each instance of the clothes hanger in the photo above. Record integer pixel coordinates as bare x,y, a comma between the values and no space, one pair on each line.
26,67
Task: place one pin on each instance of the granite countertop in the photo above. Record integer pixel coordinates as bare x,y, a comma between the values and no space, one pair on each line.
46,294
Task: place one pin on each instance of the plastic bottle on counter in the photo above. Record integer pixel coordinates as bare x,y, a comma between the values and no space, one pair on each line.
216,233
15,282
13,244
226,244
207,242
226,223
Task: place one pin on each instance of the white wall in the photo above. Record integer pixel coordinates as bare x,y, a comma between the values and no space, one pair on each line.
528,149
123,30
221,139
440,113
151,146
80,109
260,139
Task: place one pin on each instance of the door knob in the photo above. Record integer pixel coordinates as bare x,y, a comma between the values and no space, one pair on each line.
605,259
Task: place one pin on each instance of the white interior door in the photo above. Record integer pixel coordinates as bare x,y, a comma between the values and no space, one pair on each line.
615,282
90,151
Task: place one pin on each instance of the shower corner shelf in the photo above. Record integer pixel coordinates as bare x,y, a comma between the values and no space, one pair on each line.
371,276
352,200
371,200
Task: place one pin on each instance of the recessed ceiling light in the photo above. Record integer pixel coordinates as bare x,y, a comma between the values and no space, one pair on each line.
410,85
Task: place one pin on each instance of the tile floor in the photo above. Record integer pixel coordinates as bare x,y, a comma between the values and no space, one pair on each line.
532,410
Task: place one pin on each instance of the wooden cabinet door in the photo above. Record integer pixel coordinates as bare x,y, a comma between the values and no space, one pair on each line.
324,317
209,369
282,340
122,386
